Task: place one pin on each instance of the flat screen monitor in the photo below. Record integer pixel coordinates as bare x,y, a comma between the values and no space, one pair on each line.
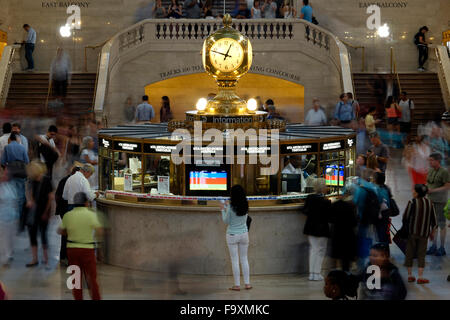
207,180
293,182
334,175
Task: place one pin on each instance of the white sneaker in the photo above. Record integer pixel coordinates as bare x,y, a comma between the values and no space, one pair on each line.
318,277
311,276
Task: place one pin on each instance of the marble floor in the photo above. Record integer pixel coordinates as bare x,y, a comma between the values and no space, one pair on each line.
120,283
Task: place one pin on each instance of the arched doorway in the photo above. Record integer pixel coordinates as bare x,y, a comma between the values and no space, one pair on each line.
184,91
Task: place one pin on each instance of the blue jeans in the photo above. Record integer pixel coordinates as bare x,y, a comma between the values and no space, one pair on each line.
29,48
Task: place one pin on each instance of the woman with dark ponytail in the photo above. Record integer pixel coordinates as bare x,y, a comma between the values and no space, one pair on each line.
234,214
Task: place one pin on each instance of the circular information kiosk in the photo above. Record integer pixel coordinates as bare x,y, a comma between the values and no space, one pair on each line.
163,182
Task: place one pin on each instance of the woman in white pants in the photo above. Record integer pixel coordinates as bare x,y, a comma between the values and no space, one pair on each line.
316,209
234,214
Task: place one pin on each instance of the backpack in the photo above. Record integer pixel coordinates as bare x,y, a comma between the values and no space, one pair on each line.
372,207
393,209
314,20
416,38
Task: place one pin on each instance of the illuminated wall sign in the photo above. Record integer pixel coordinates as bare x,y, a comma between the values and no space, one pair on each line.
252,150
127,146
159,148
207,149
336,145
298,148
105,143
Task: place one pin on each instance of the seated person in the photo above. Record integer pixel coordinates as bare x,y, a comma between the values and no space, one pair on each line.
293,166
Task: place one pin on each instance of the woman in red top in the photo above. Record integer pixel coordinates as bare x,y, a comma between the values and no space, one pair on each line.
393,115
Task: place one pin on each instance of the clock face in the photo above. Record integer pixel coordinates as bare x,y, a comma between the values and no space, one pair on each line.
226,55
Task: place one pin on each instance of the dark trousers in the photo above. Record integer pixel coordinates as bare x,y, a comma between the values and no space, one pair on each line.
60,88
41,226
382,228
85,260
423,55
63,251
29,48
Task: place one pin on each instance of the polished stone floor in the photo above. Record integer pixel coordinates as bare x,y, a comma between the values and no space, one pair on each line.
120,283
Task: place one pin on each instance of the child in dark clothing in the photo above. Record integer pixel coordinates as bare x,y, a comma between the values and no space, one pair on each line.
391,285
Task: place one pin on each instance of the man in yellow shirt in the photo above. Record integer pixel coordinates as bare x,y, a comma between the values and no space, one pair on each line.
79,225
370,121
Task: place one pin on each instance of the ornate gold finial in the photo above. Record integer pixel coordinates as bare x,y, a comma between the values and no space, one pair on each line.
227,21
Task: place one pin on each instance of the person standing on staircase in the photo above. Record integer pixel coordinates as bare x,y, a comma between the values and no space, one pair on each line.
406,106
60,74
30,42
422,45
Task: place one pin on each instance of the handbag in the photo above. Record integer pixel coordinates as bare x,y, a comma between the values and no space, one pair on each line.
249,222
393,209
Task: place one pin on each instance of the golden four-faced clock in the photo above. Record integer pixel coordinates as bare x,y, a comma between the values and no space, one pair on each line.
227,54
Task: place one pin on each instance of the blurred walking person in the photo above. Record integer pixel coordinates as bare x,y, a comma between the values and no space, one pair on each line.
343,219
60,74
15,159
9,216
316,227
235,214
129,110
39,200
47,149
16,127
62,206
88,156
79,225
420,218
438,183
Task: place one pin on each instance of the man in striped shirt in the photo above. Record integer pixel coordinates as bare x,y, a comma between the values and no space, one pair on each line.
420,217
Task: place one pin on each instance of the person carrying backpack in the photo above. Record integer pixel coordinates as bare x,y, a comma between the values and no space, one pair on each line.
422,45
365,198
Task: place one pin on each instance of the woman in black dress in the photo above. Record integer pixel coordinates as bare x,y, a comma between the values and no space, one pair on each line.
39,199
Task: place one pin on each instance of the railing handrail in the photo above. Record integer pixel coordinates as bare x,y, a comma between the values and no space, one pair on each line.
394,69
340,58
5,71
363,53
93,47
443,61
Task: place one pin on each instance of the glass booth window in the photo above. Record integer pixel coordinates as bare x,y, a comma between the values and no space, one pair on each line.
297,173
154,166
127,172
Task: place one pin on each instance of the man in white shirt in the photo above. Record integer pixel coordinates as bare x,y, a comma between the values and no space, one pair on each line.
406,106
30,42
4,138
294,167
316,116
78,182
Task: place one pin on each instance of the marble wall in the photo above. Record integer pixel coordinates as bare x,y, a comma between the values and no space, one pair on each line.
101,19
347,19
193,240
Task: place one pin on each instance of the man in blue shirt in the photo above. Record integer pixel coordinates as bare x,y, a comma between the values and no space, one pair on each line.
144,111
306,13
29,46
22,139
14,152
344,111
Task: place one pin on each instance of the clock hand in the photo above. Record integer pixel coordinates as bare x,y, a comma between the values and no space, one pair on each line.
219,52
226,54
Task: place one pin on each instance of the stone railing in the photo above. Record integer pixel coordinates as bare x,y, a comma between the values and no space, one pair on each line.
168,33
443,70
6,70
